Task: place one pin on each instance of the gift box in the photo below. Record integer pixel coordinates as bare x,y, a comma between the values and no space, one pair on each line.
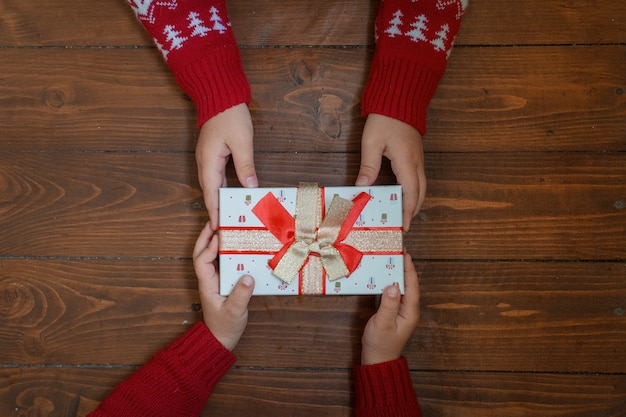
311,240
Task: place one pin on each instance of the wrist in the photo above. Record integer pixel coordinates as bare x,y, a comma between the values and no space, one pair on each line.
373,357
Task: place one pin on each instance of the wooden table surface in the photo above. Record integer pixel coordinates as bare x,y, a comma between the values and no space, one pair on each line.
520,245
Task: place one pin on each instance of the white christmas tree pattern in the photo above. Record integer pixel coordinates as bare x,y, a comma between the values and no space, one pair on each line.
144,9
217,20
442,36
174,37
197,25
417,34
395,23
460,4
420,31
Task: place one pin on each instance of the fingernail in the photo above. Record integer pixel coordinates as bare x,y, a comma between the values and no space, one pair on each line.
361,181
393,291
247,280
252,182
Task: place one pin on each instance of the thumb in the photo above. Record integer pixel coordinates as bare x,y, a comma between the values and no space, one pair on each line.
239,297
389,304
243,159
371,158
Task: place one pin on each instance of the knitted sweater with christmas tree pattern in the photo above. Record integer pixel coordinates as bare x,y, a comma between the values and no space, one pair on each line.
414,39
178,380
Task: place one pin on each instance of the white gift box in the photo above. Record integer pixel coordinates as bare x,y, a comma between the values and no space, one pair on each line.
259,227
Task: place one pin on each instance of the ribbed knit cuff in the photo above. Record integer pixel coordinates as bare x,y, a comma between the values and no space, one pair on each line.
385,390
177,381
215,81
401,88
203,355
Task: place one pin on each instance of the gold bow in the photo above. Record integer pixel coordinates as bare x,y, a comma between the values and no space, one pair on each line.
309,240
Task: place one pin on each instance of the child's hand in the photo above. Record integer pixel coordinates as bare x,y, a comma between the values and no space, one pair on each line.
402,145
227,133
226,317
389,330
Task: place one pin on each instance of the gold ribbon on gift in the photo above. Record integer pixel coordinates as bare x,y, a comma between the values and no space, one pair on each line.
309,240
292,244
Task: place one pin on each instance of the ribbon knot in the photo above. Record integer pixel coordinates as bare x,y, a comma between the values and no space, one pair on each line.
301,236
314,247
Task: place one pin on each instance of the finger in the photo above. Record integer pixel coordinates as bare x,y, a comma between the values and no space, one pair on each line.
209,254
208,277
371,158
214,180
239,297
212,175
210,200
203,240
204,263
406,175
389,305
409,307
243,159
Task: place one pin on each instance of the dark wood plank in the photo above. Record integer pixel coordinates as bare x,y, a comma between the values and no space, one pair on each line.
100,201
324,22
476,316
53,391
92,99
536,22
520,395
491,99
522,206
75,392
530,99
529,316
480,206
86,311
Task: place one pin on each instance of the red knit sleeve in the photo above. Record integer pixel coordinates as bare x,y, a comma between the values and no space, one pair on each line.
413,42
177,381
385,390
196,40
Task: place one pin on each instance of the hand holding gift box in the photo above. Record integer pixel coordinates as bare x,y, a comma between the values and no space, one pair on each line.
312,240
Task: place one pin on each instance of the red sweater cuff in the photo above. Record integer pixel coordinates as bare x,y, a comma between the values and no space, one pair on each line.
203,355
198,44
400,88
211,90
385,390
176,381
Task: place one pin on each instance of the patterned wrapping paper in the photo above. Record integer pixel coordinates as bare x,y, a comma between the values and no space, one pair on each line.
370,246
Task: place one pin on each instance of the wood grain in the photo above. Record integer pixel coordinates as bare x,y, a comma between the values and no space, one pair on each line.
480,206
324,22
519,245
519,395
476,316
308,100
86,311
75,392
